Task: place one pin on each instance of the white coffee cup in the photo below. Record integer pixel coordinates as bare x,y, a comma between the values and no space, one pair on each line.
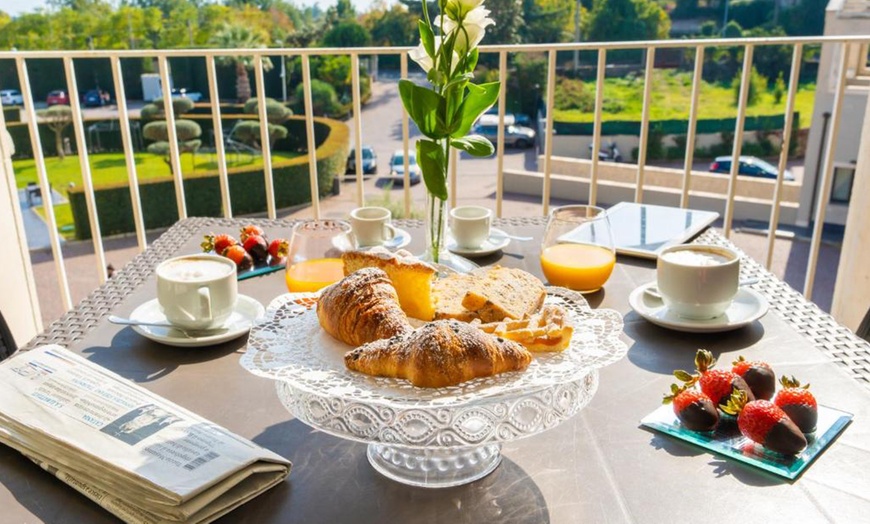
470,225
371,225
197,291
698,281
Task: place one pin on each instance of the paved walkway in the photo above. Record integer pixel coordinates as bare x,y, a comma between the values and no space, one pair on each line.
34,226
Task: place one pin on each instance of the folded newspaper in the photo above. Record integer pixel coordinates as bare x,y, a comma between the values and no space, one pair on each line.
137,455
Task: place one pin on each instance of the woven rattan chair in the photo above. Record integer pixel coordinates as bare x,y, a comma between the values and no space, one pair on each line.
7,343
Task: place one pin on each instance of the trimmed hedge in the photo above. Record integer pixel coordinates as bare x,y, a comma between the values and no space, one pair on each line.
672,127
202,190
12,114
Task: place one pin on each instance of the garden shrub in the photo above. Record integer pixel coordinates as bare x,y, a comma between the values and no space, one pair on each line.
323,98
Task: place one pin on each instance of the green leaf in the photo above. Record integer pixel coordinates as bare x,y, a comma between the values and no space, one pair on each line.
425,107
433,163
474,145
427,37
479,99
472,59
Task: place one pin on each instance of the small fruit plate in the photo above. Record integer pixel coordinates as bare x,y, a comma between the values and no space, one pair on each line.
727,440
258,270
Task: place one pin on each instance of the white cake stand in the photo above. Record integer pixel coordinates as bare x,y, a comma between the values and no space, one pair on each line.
429,437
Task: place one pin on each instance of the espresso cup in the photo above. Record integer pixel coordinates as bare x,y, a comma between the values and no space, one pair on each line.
197,291
698,282
371,225
470,225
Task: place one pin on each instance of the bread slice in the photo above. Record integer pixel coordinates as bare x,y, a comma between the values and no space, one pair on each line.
411,277
503,292
447,295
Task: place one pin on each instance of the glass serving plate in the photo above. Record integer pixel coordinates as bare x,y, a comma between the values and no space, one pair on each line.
431,437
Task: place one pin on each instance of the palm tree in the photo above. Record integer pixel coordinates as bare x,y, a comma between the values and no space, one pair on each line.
232,36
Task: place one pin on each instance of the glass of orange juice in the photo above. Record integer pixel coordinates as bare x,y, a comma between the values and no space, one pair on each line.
577,251
314,257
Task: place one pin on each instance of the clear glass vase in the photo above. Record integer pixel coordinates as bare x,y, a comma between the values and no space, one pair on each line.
436,239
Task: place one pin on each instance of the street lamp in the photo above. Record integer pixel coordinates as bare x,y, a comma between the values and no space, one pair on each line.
283,74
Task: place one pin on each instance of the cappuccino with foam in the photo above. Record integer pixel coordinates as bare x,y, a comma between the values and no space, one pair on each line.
695,257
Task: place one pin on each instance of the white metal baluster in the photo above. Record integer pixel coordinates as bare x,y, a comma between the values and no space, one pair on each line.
793,79
827,174
357,128
406,132
219,145
309,129
596,126
548,148
265,143
499,148
44,185
85,166
738,138
174,154
644,122
129,156
693,125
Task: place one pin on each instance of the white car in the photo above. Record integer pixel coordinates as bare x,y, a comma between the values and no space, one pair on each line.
397,167
11,97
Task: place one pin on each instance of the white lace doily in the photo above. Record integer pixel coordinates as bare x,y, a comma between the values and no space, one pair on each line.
289,345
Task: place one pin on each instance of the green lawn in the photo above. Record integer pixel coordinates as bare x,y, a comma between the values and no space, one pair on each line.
671,96
110,168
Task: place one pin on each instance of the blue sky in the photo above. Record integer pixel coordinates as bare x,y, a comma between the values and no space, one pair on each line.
17,7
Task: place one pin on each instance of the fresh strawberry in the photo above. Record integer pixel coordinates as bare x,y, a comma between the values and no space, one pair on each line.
250,230
764,422
694,409
798,403
758,375
241,257
256,246
217,243
718,384
278,249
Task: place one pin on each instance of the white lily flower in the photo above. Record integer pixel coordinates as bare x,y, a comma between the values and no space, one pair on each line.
472,29
457,9
419,55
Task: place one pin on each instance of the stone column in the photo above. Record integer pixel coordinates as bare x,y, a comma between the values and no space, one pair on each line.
18,300
852,290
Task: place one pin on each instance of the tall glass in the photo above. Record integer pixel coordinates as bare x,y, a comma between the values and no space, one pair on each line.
314,257
577,251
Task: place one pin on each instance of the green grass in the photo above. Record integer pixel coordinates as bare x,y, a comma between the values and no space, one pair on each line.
110,168
671,96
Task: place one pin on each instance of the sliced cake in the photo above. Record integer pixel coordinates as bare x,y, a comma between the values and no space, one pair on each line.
411,277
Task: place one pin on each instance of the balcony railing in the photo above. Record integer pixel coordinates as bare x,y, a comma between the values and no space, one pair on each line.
850,66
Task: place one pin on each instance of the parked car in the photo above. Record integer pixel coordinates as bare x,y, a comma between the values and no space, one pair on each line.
11,97
369,161
397,167
514,136
749,166
194,96
96,98
58,97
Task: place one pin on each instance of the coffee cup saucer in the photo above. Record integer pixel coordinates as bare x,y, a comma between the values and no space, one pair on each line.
245,313
497,240
747,307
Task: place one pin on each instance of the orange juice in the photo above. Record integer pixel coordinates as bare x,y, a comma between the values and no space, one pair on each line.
580,267
311,275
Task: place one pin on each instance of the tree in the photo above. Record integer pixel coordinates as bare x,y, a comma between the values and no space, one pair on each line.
234,36
323,97
508,16
620,20
348,33
57,118
187,131
548,21
393,27
248,131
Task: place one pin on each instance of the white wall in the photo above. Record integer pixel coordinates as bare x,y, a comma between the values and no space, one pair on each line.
18,301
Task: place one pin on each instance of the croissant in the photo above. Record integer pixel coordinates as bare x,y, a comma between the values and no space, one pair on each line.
362,307
441,353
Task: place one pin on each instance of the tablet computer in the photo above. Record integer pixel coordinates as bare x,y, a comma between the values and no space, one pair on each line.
644,230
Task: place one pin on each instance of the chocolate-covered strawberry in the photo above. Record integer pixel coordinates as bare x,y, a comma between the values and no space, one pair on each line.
257,247
217,243
758,375
278,250
718,384
250,231
241,257
694,409
798,403
764,422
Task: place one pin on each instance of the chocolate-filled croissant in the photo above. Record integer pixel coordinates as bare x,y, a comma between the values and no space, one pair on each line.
441,353
362,307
